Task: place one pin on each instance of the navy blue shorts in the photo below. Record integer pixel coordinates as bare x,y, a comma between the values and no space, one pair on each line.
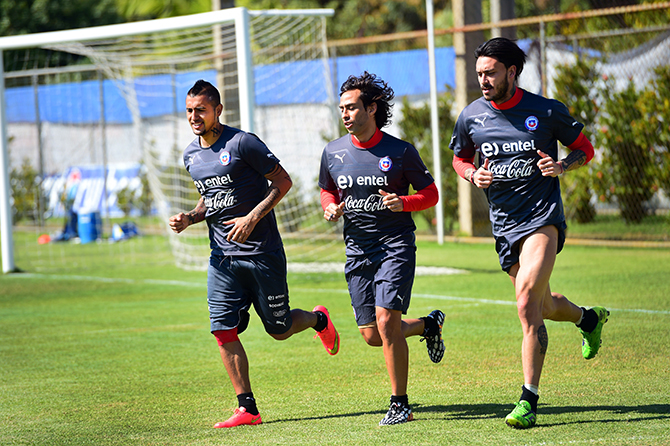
507,246
235,283
382,279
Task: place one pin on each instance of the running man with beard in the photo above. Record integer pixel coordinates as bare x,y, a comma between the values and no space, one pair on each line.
240,182
515,133
365,178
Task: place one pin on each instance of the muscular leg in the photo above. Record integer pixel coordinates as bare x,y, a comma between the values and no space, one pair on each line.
237,365
410,327
396,352
302,320
530,278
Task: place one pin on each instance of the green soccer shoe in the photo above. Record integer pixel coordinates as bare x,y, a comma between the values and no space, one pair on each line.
522,417
591,340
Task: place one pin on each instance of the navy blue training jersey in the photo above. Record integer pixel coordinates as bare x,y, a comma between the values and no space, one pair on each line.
357,175
520,198
230,176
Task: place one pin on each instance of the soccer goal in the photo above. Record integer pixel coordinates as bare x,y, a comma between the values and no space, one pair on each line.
97,116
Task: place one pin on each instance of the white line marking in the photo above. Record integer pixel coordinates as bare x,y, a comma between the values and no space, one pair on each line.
203,284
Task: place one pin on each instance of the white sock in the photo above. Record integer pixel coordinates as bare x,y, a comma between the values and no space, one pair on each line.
581,318
532,388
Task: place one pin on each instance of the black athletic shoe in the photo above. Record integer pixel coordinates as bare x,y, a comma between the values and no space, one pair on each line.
398,413
435,344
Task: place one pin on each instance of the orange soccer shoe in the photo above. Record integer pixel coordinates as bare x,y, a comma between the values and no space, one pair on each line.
240,418
329,336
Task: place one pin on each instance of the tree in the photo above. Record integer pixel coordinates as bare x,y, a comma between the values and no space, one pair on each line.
25,184
133,10
416,129
576,88
628,148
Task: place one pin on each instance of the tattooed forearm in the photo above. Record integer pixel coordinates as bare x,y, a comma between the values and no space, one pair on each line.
543,339
574,160
271,199
198,213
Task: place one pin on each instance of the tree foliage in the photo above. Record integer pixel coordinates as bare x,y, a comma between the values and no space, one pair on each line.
630,127
34,16
416,129
25,184
576,88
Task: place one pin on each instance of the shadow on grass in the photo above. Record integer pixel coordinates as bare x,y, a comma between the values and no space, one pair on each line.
494,411
486,411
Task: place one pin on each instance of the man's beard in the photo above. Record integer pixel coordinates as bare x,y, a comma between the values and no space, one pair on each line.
500,92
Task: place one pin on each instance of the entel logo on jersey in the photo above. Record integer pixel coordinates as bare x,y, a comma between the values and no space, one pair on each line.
346,181
532,122
492,149
224,158
385,164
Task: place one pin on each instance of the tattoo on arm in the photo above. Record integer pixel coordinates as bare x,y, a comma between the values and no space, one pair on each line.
271,199
198,213
574,160
543,339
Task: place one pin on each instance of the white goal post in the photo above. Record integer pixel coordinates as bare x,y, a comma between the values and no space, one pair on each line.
279,56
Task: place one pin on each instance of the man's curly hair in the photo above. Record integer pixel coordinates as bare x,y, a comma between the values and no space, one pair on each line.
373,90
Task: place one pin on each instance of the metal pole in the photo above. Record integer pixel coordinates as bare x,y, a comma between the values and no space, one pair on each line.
40,152
5,190
543,59
103,129
434,121
245,70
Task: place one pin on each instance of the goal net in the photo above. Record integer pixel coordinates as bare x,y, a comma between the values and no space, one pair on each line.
95,117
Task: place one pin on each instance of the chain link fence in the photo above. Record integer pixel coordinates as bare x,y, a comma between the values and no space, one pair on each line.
610,67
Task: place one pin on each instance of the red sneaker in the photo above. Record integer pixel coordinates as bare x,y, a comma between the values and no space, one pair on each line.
329,336
240,418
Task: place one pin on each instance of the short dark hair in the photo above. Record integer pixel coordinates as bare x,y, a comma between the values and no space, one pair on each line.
202,87
505,51
373,90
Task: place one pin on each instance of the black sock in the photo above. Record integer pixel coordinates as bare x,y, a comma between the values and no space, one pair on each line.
529,396
430,327
589,320
400,399
247,401
321,321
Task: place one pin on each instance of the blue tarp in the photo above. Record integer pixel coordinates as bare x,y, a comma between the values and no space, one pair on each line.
277,84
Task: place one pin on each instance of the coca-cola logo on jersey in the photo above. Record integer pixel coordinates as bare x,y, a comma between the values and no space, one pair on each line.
515,169
373,203
221,200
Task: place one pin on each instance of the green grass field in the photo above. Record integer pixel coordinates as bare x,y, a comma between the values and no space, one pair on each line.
119,353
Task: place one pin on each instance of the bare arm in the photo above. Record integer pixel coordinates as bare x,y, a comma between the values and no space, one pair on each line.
551,168
581,152
181,221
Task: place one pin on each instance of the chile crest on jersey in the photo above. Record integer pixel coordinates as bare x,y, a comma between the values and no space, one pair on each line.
225,158
385,164
532,122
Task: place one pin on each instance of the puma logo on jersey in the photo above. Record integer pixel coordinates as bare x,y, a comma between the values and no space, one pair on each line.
481,119
340,157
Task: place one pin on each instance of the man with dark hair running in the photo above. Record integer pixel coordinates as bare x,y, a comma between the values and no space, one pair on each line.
231,170
365,177
516,134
